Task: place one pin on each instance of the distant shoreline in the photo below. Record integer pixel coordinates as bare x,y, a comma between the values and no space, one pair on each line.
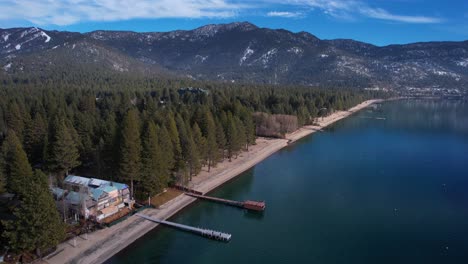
103,244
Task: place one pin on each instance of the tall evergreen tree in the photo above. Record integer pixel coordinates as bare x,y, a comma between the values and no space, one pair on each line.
64,154
130,149
211,144
2,175
241,137
199,148
167,153
109,151
220,139
34,138
153,178
36,224
175,138
17,169
14,119
232,138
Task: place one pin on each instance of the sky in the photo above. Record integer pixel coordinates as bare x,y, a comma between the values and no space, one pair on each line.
380,22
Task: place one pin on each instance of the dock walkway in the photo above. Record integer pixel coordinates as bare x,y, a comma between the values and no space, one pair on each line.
216,235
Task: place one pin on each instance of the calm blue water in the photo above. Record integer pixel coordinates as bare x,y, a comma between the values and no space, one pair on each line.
365,191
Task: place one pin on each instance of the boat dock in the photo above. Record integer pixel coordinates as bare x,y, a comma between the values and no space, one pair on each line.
249,205
216,235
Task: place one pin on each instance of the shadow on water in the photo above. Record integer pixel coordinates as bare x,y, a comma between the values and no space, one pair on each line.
254,215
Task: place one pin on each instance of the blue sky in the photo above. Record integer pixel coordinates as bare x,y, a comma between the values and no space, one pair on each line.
380,22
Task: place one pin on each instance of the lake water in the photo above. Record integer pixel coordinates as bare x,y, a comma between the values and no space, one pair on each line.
388,185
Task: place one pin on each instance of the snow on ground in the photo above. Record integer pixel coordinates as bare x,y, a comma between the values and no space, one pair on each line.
247,53
46,36
265,58
7,67
5,37
463,62
201,58
295,50
323,55
18,46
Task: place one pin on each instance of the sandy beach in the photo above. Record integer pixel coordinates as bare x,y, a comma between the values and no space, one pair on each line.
103,244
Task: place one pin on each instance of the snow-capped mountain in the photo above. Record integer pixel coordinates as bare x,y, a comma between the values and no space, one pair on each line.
239,52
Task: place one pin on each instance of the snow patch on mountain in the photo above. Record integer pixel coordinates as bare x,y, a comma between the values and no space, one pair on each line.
18,46
29,31
266,58
445,73
463,62
48,38
201,58
295,50
324,55
247,53
352,64
5,37
119,67
7,67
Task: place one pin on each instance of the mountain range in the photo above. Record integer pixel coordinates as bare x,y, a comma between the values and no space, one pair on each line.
237,52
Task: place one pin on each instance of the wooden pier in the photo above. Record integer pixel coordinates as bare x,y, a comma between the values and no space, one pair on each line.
216,235
249,205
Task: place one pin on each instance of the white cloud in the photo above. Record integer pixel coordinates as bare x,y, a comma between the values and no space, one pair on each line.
284,14
349,9
383,14
66,12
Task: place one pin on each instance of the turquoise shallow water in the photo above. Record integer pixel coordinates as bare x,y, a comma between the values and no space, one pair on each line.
366,190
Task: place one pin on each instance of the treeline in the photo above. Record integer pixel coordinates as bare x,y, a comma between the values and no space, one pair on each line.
144,132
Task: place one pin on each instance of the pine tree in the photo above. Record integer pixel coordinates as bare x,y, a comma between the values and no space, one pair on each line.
109,151
2,175
200,144
249,130
14,119
211,144
167,151
153,178
37,224
220,138
199,149
34,138
130,149
17,169
241,139
64,154
175,139
232,139
190,154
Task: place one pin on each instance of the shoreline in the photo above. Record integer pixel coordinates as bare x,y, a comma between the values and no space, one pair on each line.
103,244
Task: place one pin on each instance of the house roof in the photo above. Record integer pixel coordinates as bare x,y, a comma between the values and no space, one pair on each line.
96,187
92,182
73,197
77,180
108,189
96,193
58,192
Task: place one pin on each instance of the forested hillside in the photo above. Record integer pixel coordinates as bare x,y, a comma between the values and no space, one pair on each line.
238,52
146,132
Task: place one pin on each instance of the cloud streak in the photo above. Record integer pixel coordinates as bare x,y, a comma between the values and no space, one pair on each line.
351,9
66,12
284,14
